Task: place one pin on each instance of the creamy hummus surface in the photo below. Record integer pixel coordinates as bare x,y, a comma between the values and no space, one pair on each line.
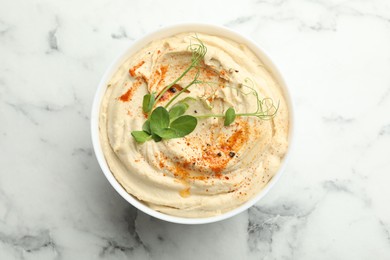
215,168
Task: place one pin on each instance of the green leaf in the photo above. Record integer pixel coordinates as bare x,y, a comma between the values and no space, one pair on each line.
167,133
156,138
148,103
141,136
184,125
146,127
230,116
177,110
159,119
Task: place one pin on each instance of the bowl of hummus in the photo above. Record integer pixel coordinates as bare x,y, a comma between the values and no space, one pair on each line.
192,123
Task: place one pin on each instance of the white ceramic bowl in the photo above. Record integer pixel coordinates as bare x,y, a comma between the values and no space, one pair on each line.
132,49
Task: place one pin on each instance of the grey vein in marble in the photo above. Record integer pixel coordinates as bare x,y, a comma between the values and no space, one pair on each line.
121,34
338,119
31,243
53,40
239,21
385,130
266,222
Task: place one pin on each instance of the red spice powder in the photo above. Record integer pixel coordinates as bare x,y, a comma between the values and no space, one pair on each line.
130,92
234,143
133,69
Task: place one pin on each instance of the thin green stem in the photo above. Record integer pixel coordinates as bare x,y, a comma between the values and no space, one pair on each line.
252,114
266,110
194,81
238,115
209,115
173,83
198,53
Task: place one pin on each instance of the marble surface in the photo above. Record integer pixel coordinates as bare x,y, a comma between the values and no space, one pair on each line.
332,202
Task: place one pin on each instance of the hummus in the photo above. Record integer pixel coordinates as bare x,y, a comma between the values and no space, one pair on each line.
215,168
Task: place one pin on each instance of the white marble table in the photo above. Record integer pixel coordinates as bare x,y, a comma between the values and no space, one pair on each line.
333,201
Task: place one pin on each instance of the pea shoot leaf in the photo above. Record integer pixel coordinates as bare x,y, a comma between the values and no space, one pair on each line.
148,103
159,119
141,136
146,127
184,125
177,110
230,116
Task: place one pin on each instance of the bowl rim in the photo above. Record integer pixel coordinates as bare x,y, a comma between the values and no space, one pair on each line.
160,33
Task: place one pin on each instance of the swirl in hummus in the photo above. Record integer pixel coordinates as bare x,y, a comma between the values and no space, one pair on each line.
214,169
